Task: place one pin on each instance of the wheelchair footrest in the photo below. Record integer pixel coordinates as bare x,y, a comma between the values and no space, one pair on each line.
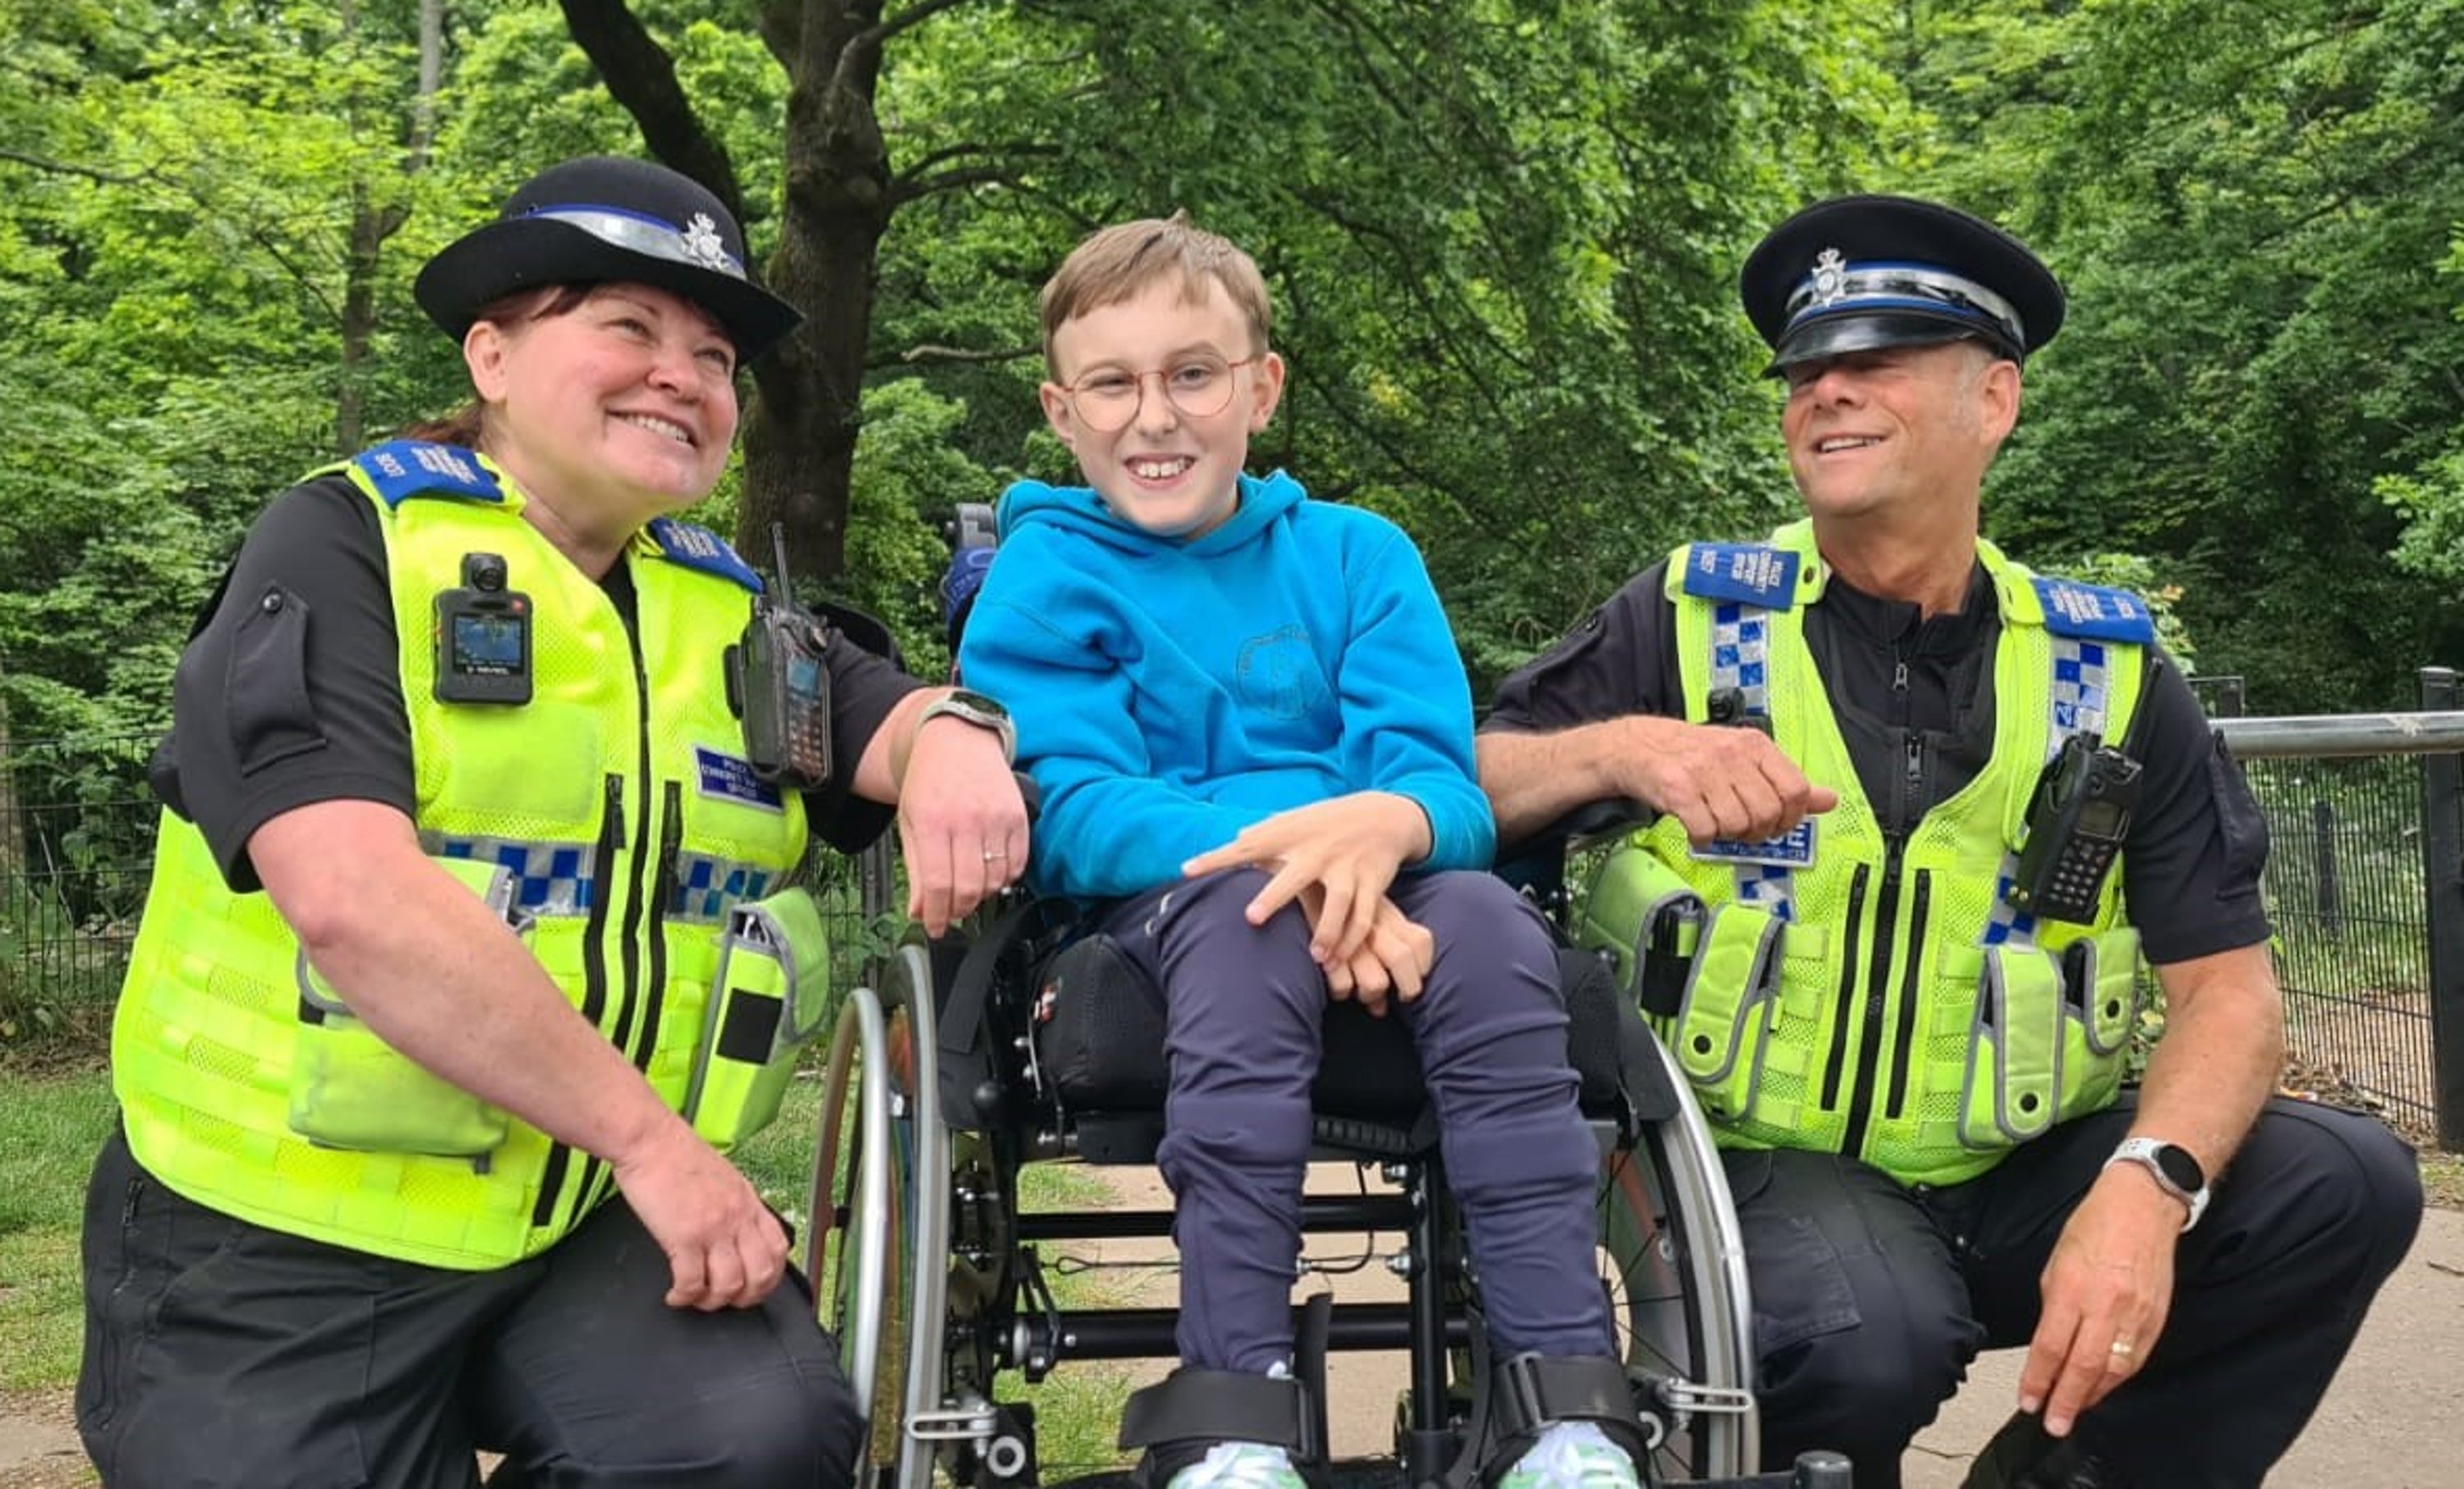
1813,1471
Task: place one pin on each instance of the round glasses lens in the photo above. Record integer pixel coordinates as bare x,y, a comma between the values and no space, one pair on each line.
1198,387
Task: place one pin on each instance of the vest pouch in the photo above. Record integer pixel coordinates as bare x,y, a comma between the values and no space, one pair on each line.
2099,1008
1643,913
2101,988
771,995
2013,1048
1730,1005
351,1090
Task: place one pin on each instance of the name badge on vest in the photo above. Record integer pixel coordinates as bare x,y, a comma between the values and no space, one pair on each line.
1792,849
730,778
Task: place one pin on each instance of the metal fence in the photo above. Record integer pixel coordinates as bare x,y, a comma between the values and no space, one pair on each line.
77,844
2365,887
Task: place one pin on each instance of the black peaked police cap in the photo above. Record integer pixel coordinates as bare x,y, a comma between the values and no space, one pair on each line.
1857,272
599,219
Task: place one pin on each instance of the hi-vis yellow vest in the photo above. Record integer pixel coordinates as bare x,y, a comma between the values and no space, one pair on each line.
1879,997
613,816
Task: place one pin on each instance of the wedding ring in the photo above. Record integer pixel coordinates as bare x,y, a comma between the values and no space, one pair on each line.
2125,1347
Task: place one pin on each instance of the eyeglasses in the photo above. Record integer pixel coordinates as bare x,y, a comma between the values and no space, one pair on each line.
1200,386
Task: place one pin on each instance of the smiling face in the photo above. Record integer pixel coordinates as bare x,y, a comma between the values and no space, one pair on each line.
1168,470
1896,433
612,412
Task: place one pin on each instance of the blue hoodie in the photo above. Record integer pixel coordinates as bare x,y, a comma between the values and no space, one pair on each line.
1170,693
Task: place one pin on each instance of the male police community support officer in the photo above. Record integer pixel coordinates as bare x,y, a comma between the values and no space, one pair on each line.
1916,1072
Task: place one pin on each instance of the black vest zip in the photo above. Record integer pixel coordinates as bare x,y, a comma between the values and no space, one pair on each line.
594,971
1869,1040
1909,986
1838,1064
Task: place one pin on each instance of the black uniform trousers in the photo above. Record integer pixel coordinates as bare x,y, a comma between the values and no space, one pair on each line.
1870,1299
222,1353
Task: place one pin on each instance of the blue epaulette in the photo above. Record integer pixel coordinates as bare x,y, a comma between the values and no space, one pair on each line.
1753,574
701,548
403,468
2093,611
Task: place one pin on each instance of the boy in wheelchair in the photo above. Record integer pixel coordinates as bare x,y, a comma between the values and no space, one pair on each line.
1252,737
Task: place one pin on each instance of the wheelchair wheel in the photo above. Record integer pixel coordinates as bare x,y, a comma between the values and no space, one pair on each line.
1675,1270
880,1215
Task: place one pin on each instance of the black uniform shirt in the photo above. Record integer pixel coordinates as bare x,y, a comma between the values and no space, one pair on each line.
290,690
1919,727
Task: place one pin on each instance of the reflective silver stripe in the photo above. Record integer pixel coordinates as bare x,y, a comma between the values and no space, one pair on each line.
696,243
1870,287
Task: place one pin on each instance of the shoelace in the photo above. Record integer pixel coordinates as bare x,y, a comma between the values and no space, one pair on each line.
1239,1465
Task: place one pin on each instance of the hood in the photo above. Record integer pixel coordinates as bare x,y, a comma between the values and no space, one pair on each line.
1264,501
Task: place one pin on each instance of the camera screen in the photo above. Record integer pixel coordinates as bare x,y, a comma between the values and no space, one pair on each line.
487,645
804,676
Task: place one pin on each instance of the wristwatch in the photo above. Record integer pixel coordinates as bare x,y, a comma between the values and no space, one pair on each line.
979,710
2172,1166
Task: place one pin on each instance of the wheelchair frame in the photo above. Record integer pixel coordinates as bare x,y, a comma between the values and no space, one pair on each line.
934,1284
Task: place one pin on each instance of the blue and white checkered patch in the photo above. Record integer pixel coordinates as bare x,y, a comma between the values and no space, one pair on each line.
548,878
1740,659
708,887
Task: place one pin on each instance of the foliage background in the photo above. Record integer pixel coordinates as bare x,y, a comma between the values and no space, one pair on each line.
1503,235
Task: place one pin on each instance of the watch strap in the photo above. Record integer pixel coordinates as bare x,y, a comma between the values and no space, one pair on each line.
2150,1154
952,706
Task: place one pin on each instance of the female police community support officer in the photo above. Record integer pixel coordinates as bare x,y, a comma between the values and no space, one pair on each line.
458,810
1915,1072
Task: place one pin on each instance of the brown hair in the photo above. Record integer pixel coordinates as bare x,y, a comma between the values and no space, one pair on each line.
465,425
1122,261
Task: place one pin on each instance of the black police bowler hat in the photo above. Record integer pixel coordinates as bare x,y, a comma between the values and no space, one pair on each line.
1857,272
605,218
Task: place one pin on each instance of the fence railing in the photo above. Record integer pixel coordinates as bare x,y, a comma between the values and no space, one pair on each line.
76,846
2366,885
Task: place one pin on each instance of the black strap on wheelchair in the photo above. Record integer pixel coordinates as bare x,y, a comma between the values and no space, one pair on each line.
1516,1399
1179,1418
966,1054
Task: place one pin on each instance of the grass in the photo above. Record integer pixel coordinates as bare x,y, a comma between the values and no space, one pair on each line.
50,1128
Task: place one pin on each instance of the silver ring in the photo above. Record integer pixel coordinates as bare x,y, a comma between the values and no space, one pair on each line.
994,854
2124,1347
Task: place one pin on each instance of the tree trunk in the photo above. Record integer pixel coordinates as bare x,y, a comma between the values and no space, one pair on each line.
800,433
799,442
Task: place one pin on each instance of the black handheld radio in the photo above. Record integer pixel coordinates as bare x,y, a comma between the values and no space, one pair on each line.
783,682
2075,823
483,637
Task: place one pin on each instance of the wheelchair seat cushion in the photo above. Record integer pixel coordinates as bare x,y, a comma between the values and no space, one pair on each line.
1099,1044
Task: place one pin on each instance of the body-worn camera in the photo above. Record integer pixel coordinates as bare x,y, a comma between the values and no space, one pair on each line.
783,682
2075,823
483,637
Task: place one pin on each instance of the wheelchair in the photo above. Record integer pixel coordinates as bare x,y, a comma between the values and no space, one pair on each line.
1028,1044
1025,1040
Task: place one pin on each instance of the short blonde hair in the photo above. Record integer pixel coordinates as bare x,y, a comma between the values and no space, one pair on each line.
1123,261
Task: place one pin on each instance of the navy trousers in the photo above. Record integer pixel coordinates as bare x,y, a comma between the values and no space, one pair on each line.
218,1353
1871,1298
1243,1011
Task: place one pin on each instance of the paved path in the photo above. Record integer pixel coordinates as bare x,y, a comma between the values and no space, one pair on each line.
2393,1420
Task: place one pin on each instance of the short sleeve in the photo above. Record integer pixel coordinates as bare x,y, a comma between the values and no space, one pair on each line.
289,691
2198,845
1618,660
